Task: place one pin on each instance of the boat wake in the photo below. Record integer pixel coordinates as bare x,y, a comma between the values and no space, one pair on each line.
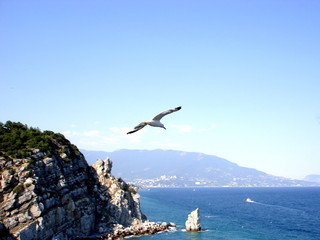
249,200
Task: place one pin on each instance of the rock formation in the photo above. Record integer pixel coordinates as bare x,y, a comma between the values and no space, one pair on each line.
193,221
55,194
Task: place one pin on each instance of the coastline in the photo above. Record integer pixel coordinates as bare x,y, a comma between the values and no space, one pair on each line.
139,228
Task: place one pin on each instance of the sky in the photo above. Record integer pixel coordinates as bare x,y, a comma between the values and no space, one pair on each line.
246,73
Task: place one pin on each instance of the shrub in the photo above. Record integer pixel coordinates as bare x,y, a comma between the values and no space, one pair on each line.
18,189
132,190
31,161
18,140
66,159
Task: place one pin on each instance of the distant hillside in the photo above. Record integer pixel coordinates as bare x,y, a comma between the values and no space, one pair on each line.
313,178
168,168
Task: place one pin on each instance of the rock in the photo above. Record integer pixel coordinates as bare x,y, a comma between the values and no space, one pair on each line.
164,225
10,223
103,167
138,228
9,204
22,218
2,227
29,181
193,221
61,197
35,211
26,196
7,181
4,233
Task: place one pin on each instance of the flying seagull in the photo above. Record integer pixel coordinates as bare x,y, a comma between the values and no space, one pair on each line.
155,122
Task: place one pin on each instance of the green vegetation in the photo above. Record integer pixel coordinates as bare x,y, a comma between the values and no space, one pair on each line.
17,140
66,159
132,190
18,189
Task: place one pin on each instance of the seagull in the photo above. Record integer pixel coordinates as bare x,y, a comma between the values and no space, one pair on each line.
155,122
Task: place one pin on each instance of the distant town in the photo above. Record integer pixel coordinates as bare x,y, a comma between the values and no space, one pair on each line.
174,181
170,168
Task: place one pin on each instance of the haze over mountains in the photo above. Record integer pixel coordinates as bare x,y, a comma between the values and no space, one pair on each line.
169,168
313,178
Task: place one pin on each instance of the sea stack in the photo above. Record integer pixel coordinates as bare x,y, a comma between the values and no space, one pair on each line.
193,221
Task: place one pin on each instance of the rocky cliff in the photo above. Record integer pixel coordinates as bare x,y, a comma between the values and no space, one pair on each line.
52,193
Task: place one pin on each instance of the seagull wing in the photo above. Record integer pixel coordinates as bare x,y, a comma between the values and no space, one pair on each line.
138,127
160,115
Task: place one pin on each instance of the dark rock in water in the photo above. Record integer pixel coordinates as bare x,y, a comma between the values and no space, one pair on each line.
56,195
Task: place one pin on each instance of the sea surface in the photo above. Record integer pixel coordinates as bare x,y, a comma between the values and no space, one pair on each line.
236,213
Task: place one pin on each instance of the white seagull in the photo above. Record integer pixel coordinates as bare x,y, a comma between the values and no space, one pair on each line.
155,122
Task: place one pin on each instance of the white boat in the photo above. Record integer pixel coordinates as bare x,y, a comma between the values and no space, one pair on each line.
249,200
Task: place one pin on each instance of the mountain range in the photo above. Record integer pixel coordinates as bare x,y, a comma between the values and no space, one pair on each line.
170,168
312,178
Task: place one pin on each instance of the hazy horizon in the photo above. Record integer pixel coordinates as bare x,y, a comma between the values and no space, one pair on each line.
246,74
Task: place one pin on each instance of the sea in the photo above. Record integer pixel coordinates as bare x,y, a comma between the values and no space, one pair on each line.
235,213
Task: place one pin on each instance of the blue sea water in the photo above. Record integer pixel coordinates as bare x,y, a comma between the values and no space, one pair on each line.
274,214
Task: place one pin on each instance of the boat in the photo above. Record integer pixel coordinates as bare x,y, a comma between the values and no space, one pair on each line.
249,200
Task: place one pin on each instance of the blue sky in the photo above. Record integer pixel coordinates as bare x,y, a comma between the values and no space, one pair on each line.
246,74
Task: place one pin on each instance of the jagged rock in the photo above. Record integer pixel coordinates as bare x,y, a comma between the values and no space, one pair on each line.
36,210
172,224
53,193
139,228
122,203
103,167
55,198
193,221
10,222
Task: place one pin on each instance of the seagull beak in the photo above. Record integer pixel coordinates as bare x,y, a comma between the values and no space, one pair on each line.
164,128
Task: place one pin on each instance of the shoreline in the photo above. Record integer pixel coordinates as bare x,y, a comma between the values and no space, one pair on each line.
139,229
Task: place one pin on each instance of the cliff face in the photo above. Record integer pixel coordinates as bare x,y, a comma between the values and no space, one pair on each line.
56,195
118,201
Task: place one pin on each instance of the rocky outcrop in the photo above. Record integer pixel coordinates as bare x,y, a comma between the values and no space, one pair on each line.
193,221
139,228
47,195
118,201
57,195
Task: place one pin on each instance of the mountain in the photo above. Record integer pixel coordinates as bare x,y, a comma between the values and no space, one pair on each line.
169,168
312,178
